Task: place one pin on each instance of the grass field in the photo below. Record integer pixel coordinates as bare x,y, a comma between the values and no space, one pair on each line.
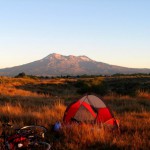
25,101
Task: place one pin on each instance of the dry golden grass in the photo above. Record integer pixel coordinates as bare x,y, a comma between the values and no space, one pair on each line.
24,107
143,94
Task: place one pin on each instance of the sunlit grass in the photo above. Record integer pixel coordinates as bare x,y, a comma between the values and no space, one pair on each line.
22,107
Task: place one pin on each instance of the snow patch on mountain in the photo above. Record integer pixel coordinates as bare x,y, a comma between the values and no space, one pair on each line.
85,58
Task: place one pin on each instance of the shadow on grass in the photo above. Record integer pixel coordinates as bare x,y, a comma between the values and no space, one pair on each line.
102,146
129,105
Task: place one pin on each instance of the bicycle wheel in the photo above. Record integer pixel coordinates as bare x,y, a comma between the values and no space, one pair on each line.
33,131
39,146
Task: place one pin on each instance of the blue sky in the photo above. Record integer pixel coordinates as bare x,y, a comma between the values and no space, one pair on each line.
111,31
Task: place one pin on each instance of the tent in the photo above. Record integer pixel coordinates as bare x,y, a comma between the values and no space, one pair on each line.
90,109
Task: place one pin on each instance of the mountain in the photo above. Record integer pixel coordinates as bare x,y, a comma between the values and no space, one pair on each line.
56,64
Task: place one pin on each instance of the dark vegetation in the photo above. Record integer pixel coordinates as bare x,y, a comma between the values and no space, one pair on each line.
119,84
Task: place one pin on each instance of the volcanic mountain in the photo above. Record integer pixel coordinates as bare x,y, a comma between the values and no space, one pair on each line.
56,65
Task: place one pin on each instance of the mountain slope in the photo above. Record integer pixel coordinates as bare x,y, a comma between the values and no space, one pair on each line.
56,64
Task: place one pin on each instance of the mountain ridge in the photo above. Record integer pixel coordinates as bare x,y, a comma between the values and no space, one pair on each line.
56,64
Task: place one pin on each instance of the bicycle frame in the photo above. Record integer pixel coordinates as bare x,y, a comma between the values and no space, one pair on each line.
12,141
26,137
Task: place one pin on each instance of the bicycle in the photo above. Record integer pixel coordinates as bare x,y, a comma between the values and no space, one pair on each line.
26,138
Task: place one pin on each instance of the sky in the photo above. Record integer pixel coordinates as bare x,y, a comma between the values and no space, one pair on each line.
116,32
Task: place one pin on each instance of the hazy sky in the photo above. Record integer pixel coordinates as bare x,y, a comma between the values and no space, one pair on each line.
111,31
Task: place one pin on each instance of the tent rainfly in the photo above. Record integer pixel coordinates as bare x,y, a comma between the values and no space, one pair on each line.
90,109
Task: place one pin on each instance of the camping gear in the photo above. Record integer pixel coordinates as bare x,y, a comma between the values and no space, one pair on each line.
57,126
90,109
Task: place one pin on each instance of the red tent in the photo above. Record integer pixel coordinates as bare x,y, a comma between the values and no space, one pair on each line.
90,109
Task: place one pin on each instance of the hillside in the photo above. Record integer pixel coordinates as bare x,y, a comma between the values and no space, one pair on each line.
57,65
